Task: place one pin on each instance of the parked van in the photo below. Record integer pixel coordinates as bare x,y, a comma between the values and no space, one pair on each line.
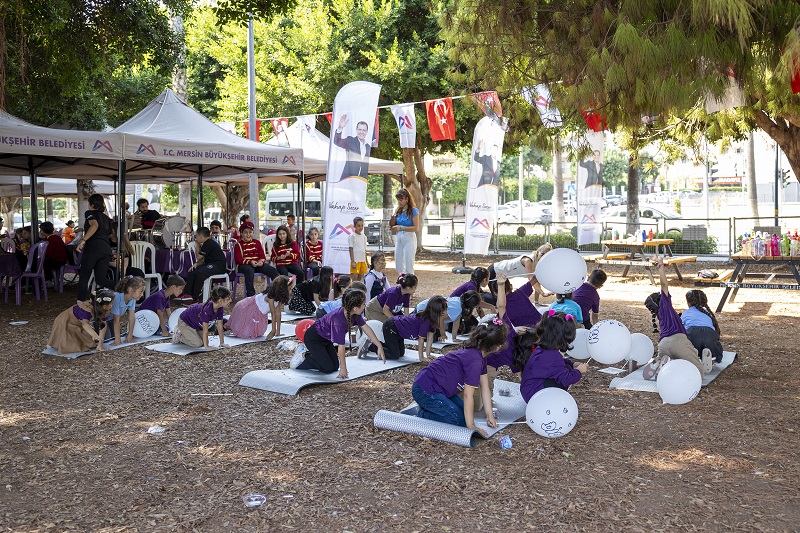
283,202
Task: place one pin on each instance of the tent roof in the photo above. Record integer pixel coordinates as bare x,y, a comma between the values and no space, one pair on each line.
55,151
58,187
169,139
316,147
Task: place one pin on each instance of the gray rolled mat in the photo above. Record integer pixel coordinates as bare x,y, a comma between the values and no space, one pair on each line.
426,428
509,402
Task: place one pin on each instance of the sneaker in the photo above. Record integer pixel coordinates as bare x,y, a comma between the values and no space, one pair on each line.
297,359
708,361
363,350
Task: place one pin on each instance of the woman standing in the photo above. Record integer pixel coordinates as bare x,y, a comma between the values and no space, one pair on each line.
405,223
95,247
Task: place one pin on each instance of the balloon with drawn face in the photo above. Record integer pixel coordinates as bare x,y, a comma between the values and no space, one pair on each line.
552,412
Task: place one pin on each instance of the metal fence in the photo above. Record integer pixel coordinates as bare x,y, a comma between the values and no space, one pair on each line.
719,237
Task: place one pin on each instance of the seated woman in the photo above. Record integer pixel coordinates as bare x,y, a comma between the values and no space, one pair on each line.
701,326
82,327
251,259
251,316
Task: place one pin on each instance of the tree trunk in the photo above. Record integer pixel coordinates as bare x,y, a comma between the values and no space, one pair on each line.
752,188
388,209
786,134
558,183
9,206
185,200
85,190
633,193
179,84
418,185
237,199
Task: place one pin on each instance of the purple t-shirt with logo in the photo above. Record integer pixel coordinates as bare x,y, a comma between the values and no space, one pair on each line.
520,311
333,326
545,364
81,314
195,315
587,297
461,289
668,320
411,326
157,301
394,299
450,373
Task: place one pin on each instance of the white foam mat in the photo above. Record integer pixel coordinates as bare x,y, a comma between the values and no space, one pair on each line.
634,381
107,345
287,331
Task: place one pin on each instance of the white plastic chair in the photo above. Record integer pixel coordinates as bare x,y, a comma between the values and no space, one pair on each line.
216,278
140,249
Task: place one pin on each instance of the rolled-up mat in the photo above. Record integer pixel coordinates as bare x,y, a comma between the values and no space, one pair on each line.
507,399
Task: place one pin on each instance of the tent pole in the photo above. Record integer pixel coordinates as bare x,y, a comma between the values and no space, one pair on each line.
227,205
122,231
302,181
200,221
34,204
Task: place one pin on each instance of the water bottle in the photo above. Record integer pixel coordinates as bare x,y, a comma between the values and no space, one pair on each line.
650,235
756,247
794,249
745,245
644,236
785,243
776,246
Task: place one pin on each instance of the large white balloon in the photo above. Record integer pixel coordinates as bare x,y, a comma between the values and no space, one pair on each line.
678,382
580,346
146,324
552,412
172,323
561,271
642,348
377,327
609,342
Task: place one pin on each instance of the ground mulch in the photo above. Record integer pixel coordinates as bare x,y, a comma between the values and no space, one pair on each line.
75,454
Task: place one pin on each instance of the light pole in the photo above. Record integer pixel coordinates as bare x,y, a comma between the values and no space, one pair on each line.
439,202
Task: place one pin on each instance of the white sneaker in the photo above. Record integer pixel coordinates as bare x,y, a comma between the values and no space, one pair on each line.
708,361
297,359
363,350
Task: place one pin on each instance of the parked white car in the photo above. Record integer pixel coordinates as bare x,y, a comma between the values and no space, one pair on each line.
649,217
531,214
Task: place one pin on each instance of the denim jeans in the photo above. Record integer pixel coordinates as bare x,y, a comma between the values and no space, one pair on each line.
439,407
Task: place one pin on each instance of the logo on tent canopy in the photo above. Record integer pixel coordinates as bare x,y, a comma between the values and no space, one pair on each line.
102,144
479,222
146,148
338,229
289,158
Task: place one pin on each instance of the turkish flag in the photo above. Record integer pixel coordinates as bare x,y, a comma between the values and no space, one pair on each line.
595,121
258,130
279,126
329,116
441,121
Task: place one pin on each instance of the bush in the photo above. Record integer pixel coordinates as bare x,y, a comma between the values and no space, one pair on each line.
679,246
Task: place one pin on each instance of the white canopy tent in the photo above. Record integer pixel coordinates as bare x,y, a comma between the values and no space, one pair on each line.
54,187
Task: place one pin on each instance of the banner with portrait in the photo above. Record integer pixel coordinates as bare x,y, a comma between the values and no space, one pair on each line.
590,190
348,166
484,186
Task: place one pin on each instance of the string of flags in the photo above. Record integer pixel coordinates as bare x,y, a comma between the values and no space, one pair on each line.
442,124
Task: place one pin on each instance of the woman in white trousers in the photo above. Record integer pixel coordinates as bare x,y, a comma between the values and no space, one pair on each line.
405,223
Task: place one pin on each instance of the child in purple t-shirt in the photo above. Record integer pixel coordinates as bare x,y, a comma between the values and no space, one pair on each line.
673,342
159,302
421,326
519,310
394,301
437,386
588,299
546,366
194,322
334,328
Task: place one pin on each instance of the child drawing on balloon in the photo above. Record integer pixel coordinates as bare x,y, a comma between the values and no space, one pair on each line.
546,366
159,302
673,342
437,386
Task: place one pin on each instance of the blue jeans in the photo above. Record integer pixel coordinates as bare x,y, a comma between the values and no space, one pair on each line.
439,407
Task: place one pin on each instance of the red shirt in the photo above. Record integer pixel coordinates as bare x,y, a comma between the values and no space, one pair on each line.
314,251
56,249
285,254
246,252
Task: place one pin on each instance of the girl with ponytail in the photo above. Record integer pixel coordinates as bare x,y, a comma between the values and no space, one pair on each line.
701,325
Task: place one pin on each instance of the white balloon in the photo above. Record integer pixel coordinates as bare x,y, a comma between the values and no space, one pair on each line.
580,348
377,327
678,382
642,348
172,323
561,271
146,324
609,342
552,412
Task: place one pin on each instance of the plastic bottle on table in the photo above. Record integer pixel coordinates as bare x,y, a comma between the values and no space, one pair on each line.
644,236
745,245
650,235
756,246
776,245
785,243
794,248
767,243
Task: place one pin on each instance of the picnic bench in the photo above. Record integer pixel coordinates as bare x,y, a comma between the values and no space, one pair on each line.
633,254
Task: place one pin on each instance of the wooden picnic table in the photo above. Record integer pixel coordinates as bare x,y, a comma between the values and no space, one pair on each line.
742,263
633,254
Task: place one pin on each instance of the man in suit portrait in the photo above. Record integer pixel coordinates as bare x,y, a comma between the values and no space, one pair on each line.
594,170
357,149
490,167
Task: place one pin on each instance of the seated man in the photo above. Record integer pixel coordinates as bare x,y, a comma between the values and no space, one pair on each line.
148,216
55,256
